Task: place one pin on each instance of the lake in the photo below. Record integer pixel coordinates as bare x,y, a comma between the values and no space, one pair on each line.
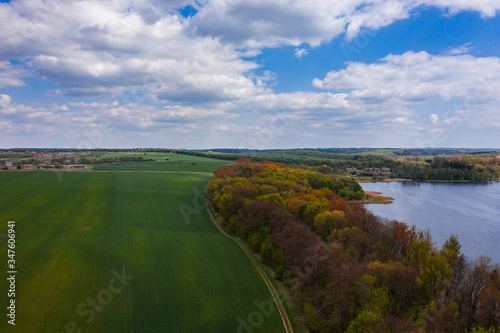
471,211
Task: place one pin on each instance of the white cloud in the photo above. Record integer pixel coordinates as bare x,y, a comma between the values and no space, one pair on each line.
299,53
179,112
433,118
4,100
270,23
112,47
487,8
462,49
145,49
390,91
54,93
419,77
300,101
11,76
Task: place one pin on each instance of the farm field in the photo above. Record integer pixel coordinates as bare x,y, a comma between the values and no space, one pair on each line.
176,162
150,268
292,156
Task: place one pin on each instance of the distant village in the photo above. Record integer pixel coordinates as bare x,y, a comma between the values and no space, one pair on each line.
40,160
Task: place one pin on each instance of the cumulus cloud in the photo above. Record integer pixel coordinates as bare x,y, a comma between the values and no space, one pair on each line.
54,93
112,47
301,101
433,118
299,53
116,47
178,112
11,76
487,8
390,90
4,100
270,23
74,122
417,77
462,49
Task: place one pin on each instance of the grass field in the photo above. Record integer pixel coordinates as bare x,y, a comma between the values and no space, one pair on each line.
176,162
292,156
187,277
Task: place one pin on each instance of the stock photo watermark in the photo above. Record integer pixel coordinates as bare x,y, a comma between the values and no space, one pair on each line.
11,272
87,309
30,30
92,139
440,128
264,136
364,37
256,318
195,208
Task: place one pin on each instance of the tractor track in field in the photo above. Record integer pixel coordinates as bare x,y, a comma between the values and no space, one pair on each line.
92,171
284,317
149,171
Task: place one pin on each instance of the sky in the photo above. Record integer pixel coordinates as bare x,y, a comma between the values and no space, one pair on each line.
255,74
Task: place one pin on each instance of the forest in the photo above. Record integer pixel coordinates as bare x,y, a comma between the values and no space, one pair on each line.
345,269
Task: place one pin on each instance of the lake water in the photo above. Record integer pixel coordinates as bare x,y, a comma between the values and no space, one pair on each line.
471,211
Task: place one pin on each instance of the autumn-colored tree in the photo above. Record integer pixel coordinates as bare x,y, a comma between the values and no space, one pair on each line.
325,222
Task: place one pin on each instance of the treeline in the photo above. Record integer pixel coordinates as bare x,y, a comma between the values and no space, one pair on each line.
440,151
346,270
452,168
344,153
448,174
403,151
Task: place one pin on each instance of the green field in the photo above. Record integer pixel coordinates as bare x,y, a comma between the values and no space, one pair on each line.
291,156
175,162
187,277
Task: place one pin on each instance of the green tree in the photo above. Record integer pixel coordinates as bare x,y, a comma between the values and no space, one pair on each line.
452,245
367,322
275,199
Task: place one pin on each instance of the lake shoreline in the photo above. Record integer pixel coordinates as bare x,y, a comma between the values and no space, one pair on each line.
386,180
374,197
426,181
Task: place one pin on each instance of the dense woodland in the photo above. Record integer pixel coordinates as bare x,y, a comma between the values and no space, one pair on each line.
346,270
454,168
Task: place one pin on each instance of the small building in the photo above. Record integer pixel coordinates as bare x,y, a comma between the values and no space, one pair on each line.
76,166
8,164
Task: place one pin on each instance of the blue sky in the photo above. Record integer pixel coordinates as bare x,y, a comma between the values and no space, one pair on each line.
249,74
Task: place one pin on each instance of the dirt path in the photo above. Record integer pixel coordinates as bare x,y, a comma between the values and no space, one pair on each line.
274,293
